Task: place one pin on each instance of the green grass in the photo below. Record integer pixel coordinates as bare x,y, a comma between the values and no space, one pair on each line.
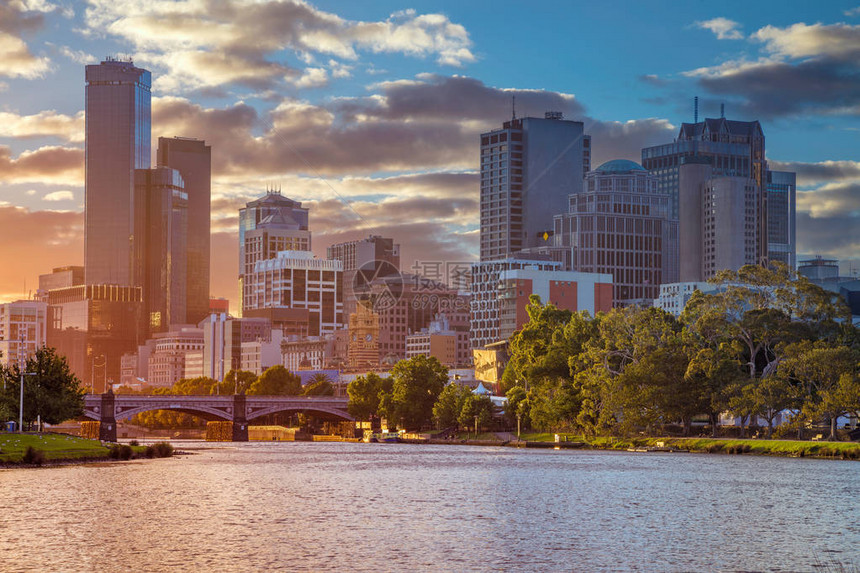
843,450
54,446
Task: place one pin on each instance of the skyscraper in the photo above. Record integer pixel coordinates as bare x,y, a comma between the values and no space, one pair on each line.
193,159
118,121
735,149
781,217
268,225
528,168
161,204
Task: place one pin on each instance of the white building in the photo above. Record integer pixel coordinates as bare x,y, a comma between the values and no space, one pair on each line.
23,326
674,296
166,363
295,279
260,355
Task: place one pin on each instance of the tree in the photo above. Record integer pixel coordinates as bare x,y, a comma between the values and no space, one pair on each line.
319,388
276,381
476,410
418,382
51,392
517,406
447,409
364,395
235,382
199,386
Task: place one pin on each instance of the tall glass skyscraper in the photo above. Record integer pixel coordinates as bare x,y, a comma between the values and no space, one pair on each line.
528,168
193,159
118,119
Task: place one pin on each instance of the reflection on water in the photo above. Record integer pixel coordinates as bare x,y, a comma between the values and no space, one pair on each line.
391,507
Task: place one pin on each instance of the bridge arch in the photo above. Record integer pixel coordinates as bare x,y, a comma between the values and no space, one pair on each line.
207,413
330,411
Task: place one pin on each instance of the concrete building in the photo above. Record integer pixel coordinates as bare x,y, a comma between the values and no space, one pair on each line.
500,291
223,336
372,257
719,222
297,280
160,246
193,159
309,353
437,341
260,355
567,290
674,296
268,226
167,362
118,119
621,225
782,217
23,330
59,277
528,168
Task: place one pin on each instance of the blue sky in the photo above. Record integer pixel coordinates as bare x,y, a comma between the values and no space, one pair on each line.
380,105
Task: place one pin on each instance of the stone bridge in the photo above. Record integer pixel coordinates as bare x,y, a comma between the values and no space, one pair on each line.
239,409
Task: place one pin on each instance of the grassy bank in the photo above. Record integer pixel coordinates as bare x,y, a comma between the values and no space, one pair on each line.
793,448
47,448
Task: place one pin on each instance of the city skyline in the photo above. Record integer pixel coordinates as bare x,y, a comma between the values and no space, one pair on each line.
386,106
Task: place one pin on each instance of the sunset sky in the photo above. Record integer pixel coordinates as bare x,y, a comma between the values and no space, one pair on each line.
369,112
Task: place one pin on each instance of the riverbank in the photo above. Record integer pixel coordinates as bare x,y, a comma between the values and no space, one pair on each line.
55,449
783,448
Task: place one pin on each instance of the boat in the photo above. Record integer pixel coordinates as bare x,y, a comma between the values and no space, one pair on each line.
382,437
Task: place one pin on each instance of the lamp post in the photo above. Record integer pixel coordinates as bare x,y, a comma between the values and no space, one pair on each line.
22,363
518,425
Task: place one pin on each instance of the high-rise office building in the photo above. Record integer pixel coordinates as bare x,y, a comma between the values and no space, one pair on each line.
374,256
193,159
118,121
620,224
719,223
267,226
161,207
781,217
528,168
734,148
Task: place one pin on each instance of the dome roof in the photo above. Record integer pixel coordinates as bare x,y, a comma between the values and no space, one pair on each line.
620,166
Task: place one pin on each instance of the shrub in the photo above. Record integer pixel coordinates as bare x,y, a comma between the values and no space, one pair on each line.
33,456
134,443
120,452
159,450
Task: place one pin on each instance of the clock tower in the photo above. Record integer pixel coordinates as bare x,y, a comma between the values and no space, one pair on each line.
363,350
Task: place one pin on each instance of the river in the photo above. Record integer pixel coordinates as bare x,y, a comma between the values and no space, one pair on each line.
391,507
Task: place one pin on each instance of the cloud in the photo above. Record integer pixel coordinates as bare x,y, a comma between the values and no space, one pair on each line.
817,173
313,78
852,12
723,28
804,69
48,164
17,18
835,236
43,124
625,140
201,44
33,243
59,196
653,80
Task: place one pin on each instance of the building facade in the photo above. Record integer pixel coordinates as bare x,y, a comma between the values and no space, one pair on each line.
297,280
167,361
371,257
118,119
23,330
782,217
528,168
268,226
223,336
620,225
161,227
192,158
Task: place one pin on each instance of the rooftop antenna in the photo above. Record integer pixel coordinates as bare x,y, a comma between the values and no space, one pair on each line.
696,109
514,108
723,110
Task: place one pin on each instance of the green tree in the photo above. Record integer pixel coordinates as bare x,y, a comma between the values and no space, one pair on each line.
199,386
51,392
517,406
276,381
477,409
235,382
364,395
418,382
319,388
447,409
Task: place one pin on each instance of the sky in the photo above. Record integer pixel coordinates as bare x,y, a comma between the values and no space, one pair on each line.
370,112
